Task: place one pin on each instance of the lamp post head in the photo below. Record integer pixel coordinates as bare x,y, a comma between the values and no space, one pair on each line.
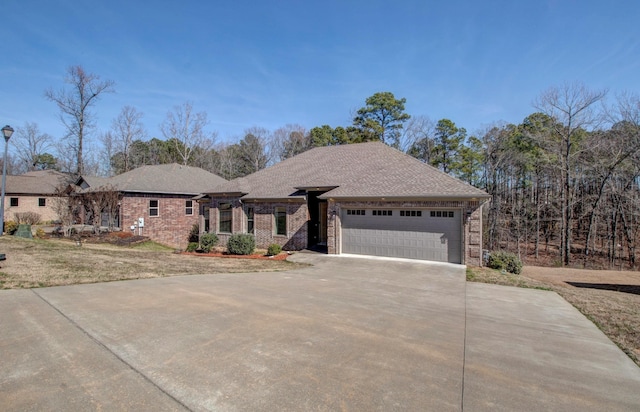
7,131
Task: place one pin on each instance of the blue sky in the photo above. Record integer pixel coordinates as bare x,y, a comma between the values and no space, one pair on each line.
269,63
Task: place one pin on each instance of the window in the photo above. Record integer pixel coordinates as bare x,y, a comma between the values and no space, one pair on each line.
280,215
14,202
249,212
382,212
442,213
188,207
42,201
154,207
411,213
356,212
226,217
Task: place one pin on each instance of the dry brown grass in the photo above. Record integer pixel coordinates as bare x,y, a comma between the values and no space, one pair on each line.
610,299
41,263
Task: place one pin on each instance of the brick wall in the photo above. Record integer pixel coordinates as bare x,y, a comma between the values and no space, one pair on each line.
264,223
171,227
473,235
30,204
298,216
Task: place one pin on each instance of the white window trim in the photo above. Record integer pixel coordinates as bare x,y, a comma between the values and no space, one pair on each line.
149,208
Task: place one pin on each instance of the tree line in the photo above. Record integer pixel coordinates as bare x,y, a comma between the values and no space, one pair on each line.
564,182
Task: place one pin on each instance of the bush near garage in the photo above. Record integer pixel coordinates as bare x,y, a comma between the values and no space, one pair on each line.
507,261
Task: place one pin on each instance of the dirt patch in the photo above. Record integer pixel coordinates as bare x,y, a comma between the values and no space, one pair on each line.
563,276
609,298
116,238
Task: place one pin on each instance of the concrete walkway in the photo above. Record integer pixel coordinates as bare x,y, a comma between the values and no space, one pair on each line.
344,334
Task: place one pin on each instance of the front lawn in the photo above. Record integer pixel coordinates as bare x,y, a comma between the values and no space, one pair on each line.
53,262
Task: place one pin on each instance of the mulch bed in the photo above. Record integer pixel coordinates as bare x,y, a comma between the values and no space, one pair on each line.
116,238
280,256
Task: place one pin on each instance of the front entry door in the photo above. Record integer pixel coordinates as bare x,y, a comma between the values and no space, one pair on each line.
322,230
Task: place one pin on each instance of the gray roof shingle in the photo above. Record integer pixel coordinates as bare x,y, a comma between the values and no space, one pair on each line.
167,178
364,170
39,182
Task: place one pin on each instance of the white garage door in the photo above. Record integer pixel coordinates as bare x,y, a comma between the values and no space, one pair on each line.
415,234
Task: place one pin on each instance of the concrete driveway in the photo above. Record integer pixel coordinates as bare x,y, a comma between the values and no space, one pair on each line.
345,334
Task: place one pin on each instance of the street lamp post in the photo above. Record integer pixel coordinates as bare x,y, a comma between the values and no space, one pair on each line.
7,131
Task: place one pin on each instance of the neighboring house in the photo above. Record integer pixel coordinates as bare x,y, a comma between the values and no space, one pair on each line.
35,191
363,198
162,196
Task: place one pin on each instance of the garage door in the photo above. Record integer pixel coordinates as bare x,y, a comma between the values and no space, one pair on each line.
414,234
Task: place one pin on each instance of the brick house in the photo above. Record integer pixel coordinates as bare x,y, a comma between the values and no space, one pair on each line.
34,191
157,201
365,198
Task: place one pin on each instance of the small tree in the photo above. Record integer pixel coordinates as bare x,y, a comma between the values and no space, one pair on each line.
63,206
103,199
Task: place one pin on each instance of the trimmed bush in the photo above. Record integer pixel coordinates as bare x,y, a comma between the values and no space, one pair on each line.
28,218
208,241
241,244
274,249
10,227
192,246
40,233
508,261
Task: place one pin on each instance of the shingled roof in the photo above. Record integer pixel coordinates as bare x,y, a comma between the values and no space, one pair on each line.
39,182
364,170
168,179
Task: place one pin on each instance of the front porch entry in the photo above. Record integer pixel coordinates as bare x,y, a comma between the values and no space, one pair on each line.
317,230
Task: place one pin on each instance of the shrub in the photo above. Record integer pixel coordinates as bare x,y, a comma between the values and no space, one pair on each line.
208,241
28,218
505,260
40,233
241,244
274,249
194,233
10,227
192,246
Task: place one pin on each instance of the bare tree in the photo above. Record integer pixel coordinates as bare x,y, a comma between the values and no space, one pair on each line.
571,106
64,206
186,130
254,150
125,129
227,165
31,144
288,141
75,103
418,138
107,153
